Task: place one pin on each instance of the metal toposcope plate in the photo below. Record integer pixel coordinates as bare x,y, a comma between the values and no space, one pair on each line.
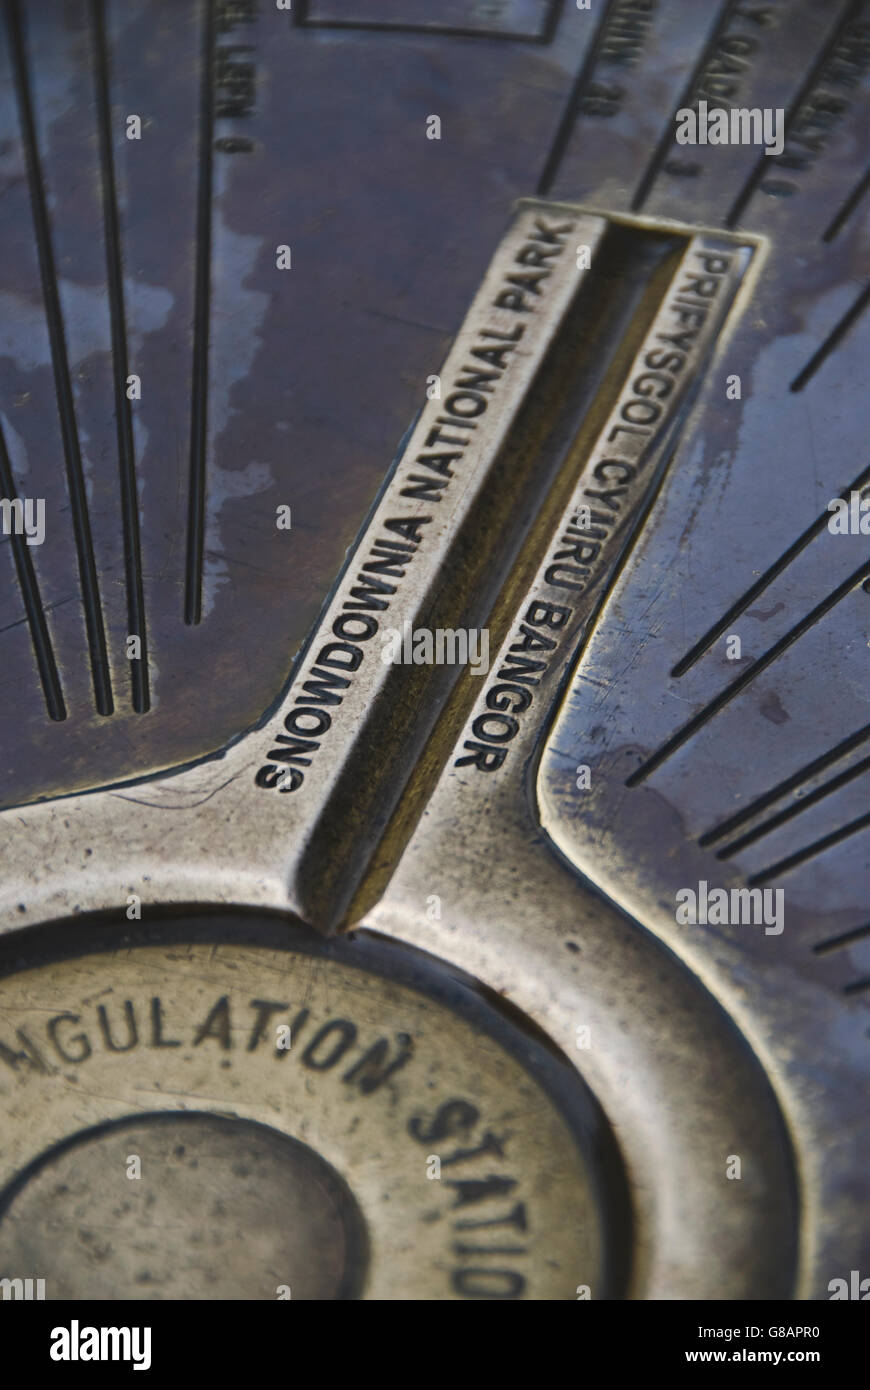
252,256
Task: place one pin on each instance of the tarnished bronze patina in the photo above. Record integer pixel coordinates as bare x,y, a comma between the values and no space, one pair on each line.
353,320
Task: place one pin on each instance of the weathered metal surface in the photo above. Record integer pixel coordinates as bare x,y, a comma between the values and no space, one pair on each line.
419,802
285,1107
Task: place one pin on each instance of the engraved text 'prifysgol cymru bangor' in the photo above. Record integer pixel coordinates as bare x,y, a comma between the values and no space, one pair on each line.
512,327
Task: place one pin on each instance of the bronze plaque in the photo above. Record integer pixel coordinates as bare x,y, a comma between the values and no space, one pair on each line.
435,817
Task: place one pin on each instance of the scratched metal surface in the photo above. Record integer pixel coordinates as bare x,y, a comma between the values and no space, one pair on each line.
305,379
263,387
755,771
311,133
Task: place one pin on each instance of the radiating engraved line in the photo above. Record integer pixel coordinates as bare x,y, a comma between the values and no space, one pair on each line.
837,332
136,622
33,607
742,681
765,579
201,326
836,943
856,986
455,31
818,794
764,161
666,139
810,851
566,126
63,385
847,745
836,225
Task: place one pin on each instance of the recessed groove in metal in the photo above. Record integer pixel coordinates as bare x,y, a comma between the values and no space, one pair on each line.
202,314
33,605
288,776
765,580
697,722
65,403
121,366
789,784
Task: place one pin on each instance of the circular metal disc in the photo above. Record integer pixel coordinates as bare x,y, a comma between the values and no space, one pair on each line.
224,1120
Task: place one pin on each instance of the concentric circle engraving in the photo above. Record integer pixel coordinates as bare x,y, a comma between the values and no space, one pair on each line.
212,1207
226,1120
